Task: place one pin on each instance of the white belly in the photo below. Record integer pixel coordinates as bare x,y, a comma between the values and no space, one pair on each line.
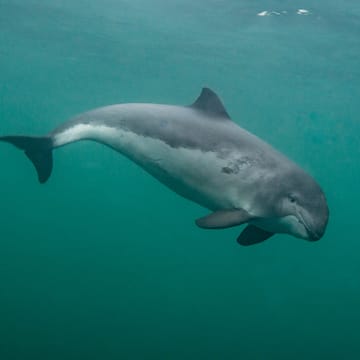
192,173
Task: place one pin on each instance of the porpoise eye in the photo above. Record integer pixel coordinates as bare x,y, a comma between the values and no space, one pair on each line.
292,198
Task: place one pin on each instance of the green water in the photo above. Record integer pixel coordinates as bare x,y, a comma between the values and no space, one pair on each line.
103,262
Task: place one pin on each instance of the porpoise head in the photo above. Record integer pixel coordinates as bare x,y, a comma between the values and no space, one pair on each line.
297,207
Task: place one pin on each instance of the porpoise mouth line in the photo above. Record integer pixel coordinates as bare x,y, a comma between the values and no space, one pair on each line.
312,234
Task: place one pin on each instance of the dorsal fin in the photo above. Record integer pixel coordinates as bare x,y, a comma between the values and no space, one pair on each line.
210,103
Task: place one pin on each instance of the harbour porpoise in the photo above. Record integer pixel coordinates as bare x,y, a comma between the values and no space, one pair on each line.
201,154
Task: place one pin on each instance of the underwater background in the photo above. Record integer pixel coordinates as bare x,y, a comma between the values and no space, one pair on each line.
103,262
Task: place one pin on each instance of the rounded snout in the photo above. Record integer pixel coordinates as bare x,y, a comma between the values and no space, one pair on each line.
318,227
318,234
314,237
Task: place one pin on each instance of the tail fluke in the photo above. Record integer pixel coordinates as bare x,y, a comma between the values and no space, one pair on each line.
38,150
